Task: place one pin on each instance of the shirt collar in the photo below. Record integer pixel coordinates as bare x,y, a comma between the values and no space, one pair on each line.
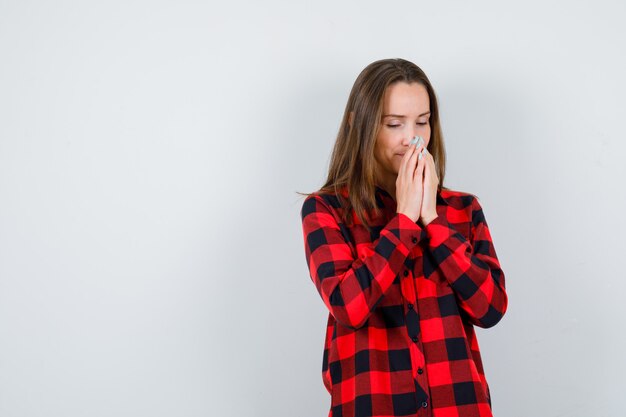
382,192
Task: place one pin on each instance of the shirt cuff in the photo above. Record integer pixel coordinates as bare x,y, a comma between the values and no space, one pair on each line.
409,232
439,230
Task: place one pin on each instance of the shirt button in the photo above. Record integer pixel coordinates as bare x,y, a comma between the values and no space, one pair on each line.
414,240
414,338
424,404
406,272
420,371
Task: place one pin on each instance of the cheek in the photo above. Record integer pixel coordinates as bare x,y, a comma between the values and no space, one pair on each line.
384,145
379,153
427,136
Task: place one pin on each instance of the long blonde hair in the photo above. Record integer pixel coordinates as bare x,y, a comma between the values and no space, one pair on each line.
352,163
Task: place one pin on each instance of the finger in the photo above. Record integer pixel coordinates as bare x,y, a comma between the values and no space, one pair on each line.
418,175
405,159
421,164
420,157
424,158
409,152
430,160
422,152
419,169
411,161
418,150
413,155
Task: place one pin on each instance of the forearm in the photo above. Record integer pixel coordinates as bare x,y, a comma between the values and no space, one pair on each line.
471,268
352,287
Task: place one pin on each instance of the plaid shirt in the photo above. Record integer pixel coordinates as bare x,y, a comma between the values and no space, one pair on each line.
403,303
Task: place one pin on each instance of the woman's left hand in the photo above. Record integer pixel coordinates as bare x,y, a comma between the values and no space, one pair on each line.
429,200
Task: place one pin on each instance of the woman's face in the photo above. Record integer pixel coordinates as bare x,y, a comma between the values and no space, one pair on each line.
406,113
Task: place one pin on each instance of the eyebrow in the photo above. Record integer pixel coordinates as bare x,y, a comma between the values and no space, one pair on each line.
402,116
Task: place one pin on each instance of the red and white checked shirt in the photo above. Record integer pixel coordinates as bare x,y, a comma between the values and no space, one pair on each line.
403,302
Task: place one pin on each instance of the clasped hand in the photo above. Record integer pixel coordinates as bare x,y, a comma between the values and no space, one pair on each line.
416,186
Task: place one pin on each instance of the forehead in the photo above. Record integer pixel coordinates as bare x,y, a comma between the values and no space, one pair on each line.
404,98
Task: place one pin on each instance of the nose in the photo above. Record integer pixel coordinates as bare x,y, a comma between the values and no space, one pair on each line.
408,137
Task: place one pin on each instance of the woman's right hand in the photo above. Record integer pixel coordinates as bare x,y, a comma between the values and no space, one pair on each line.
409,184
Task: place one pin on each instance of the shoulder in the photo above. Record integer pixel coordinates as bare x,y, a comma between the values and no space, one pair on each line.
466,203
460,200
320,202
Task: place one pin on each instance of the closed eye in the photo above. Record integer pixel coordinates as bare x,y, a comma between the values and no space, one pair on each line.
392,126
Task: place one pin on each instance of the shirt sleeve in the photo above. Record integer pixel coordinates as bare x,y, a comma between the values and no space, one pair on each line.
471,267
352,287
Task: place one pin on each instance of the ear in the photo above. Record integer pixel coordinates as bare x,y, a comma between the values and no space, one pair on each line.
350,118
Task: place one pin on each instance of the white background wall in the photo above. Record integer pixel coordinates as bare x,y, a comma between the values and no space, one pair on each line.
151,251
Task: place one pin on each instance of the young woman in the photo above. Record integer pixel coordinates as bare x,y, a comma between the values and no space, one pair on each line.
405,266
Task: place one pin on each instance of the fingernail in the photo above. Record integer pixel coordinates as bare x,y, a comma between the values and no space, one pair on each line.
417,140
